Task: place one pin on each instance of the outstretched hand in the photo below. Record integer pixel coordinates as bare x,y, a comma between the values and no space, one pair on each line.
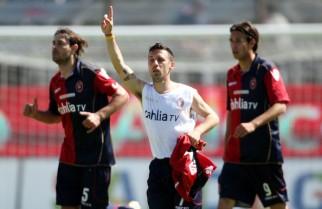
107,22
30,110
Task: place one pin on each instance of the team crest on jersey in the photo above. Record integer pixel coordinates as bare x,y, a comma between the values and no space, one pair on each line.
79,86
180,103
252,83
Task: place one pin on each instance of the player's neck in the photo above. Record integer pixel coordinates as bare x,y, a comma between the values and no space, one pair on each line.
67,68
246,63
164,86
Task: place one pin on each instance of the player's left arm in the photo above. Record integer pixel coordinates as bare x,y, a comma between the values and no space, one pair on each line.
272,113
119,97
210,118
278,98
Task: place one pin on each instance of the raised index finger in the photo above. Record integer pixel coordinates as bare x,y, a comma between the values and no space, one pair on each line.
110,12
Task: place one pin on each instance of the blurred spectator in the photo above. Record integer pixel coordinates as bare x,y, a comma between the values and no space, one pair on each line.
190,13
2,2
274,16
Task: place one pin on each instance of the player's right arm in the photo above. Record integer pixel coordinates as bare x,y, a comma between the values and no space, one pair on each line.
132,83
32,111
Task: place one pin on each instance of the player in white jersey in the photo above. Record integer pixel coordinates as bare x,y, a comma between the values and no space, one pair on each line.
167,111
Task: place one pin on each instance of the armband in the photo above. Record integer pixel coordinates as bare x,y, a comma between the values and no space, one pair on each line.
109,37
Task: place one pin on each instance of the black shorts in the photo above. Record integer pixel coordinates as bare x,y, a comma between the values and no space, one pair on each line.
85,186
243,182
161,193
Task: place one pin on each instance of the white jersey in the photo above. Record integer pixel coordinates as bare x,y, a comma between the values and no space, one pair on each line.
167,116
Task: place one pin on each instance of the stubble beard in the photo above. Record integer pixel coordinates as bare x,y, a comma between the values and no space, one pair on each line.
157,79
61,60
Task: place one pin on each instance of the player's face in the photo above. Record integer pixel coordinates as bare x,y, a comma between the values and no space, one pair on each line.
239,45
62,52
160,64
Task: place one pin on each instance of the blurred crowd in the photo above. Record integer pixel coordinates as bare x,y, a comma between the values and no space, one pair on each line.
89,12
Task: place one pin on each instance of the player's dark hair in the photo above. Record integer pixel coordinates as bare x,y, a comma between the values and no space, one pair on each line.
249,30
160,46
73,38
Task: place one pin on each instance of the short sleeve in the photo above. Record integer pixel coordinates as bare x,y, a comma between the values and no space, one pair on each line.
104,83
275,87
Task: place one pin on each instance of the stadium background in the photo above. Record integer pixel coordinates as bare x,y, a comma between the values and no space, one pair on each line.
197,31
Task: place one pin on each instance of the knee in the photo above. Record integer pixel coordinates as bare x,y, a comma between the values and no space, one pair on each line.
226,203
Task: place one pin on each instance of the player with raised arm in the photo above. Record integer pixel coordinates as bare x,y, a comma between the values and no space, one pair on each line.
168,109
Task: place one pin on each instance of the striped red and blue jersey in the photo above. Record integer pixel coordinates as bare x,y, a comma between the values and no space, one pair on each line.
87,89
249,95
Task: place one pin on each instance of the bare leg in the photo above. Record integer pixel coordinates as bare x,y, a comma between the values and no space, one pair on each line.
226,203
258,204
279,206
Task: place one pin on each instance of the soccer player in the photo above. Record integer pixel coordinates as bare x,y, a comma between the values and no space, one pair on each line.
256,96
168,109
82,97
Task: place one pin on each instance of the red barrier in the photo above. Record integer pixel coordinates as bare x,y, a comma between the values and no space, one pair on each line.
300,127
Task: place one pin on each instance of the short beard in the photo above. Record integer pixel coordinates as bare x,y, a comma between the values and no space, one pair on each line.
157,80
160,79
61,61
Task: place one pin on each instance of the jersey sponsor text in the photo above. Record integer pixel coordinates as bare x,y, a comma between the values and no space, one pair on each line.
160,116
242,104
67,107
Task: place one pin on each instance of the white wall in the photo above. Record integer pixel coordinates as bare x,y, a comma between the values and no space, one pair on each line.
36,183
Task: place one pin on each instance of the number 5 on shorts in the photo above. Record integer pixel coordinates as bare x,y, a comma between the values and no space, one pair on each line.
85,194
